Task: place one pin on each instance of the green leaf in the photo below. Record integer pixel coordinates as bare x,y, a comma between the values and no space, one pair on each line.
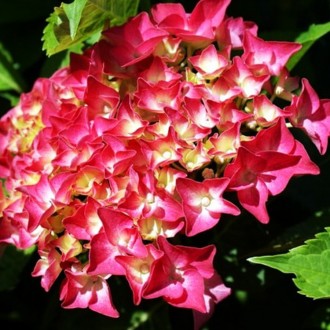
9,77
13,99
307,39
310,263
74,23
12,262
73,12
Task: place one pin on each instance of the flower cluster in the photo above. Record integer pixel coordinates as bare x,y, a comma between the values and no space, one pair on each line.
138,140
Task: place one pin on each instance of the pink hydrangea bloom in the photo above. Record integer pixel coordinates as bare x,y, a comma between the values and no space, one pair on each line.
312,115
139,141
203,204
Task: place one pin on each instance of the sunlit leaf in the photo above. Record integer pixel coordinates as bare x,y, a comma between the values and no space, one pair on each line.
310,263
307,39
73,23
74,12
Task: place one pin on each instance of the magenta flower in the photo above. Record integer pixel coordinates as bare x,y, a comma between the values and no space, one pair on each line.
274,55
203,204
138,270
264,166
181,273
241,80
266,113
279,138
48,267
100,98
121,232
254,175
197,27
15,226
102,256
209,63
231,32
135,40
80,290
312,115
84,223
215,291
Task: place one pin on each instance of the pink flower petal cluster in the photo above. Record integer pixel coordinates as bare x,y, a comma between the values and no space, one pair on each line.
138,141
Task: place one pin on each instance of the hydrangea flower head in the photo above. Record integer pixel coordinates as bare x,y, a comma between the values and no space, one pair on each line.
142,140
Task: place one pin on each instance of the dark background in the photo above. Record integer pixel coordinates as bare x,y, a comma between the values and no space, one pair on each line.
262,298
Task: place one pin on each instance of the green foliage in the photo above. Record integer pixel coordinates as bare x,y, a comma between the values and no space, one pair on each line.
12,263
74,23
309,262
307,39
9,78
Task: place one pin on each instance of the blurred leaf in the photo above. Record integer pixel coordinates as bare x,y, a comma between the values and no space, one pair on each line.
307,39
73,23
138,318
319,318
9,78
309,262
12,99
12,262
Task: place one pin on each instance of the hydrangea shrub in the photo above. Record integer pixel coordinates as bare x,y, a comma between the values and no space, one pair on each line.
167,123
